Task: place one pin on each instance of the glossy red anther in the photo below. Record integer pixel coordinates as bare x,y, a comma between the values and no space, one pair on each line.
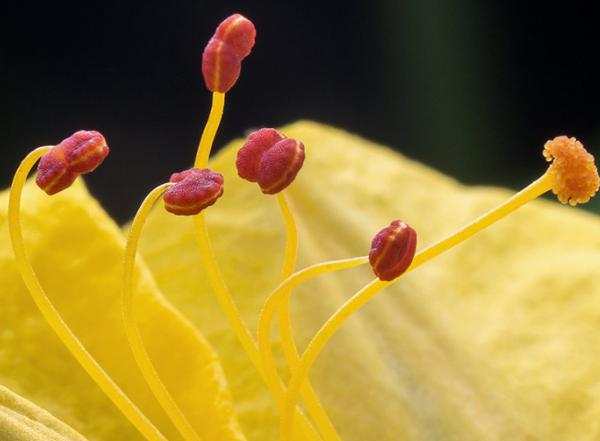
392,250
85,150
249,156
78,154
222,58
270,159
193,191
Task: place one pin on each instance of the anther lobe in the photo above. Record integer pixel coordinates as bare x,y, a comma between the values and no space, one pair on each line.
53,172
193,191
249,156
85,151
222,58
392,250
78,154
279,165
270,159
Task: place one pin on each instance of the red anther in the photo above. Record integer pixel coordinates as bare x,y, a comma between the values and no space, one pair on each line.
279,165
85,151
392,250
238,32
53,174
80,153
222,57
193,191
248,157
270,159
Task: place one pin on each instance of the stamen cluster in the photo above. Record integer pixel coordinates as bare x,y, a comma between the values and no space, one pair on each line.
78,154
273,161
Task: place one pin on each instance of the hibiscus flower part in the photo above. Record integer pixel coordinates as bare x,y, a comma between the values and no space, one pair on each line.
270,159
192,191
222,57
78,154
573,169
393,250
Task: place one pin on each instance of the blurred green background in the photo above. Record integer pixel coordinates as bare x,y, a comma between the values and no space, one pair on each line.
472,88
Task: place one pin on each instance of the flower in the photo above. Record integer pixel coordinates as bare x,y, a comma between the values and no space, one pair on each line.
492,341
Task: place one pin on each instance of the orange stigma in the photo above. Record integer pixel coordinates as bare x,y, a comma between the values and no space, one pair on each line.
575,174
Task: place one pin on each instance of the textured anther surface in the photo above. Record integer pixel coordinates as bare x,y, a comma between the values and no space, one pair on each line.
392,250
78,154
222,58
270,159
193,191
573,169
249,156
279,165
85,151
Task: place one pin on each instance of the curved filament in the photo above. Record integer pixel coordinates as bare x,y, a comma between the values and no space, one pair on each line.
52,316
317,344
134,337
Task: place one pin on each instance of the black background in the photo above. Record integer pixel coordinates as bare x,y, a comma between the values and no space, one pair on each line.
471,87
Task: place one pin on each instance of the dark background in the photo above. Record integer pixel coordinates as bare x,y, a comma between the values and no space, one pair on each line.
471,87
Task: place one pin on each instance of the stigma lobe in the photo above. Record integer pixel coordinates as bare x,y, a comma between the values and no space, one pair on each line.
392,250
193,191
575,174
222,58
78,154
270,159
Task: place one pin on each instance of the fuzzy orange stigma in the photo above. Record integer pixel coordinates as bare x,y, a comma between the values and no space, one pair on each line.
573,170
393,250
192,191
80,153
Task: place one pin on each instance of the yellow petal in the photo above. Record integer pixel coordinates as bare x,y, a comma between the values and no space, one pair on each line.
495,340
77,252
21,420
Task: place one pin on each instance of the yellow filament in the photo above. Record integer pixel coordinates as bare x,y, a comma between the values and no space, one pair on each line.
311,400
532,191
279,295
52,316
210,130
240,329
133,333
215,277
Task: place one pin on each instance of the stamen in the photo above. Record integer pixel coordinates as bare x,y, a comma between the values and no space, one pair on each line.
52,316
221,66
273,160
572,177
136,343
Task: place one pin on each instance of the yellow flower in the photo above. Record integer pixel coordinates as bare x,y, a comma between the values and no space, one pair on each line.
494,340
